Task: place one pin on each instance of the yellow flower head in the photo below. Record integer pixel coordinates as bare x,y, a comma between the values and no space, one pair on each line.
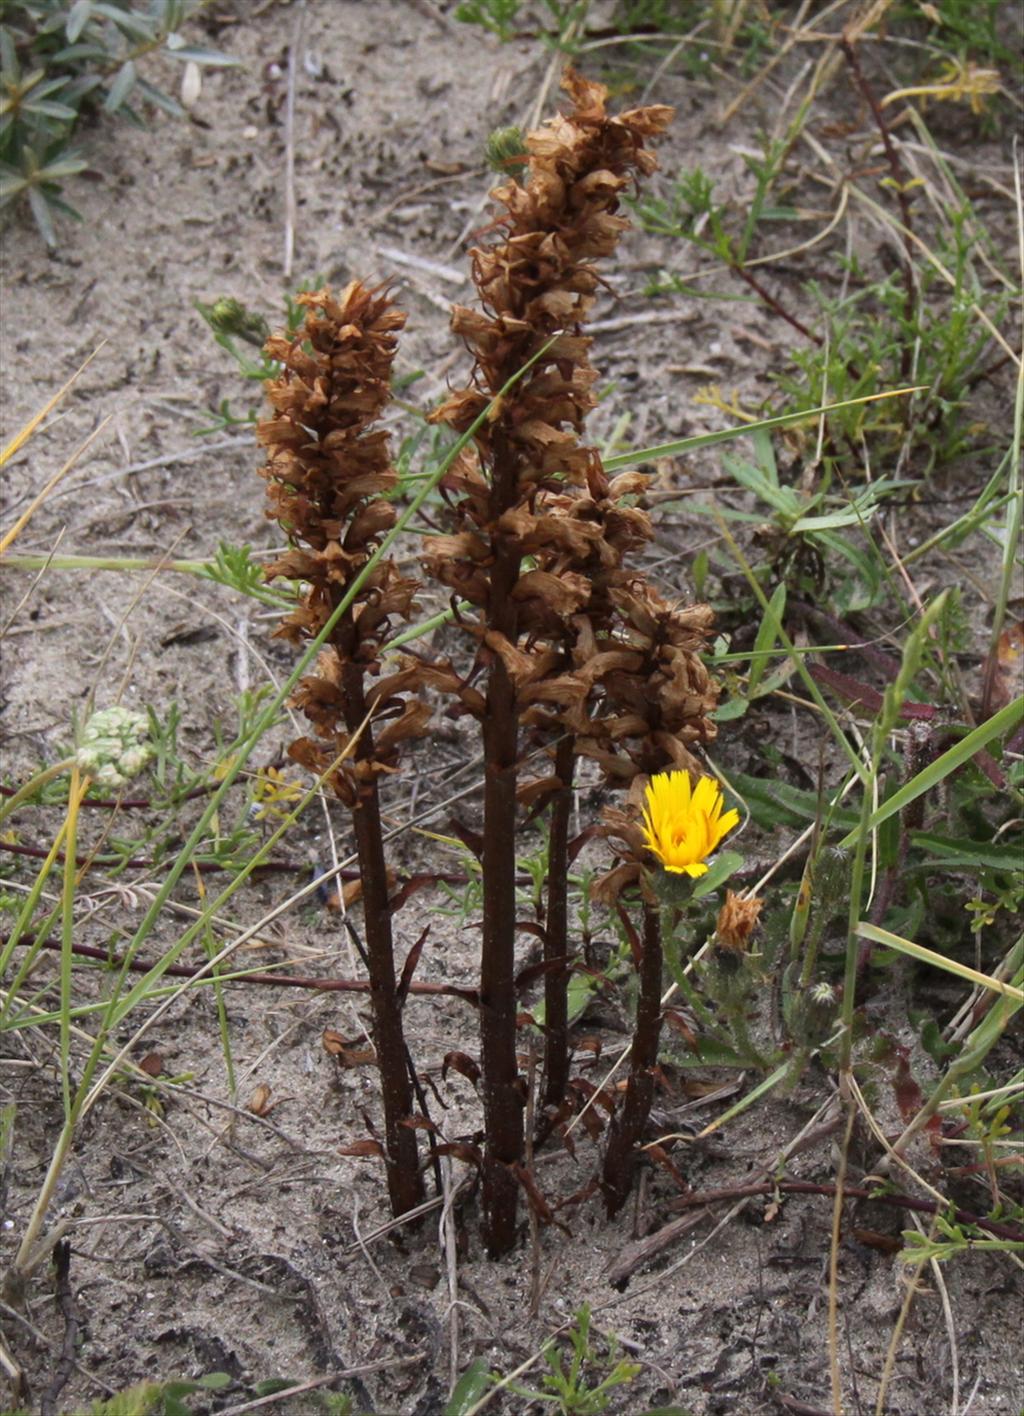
683,826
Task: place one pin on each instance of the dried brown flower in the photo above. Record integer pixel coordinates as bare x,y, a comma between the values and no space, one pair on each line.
737,920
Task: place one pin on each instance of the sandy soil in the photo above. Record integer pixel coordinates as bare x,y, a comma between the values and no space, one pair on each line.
208,1240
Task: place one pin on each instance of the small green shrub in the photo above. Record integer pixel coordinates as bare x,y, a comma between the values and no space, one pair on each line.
61,63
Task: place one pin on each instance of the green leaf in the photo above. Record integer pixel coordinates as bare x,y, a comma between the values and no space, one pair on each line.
272,1385
159,99
65,166
726,863
41,211
774,803
48,108
469,1388
78,17
731,709
122,86
784,420
767,637
126,20
979,854
215,1381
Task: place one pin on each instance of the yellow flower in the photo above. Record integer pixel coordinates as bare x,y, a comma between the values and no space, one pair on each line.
682,827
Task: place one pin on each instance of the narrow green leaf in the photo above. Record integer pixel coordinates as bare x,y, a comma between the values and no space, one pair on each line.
124,82
159,99
785,420
78,17
939,961
127,21
49,108
767,637
469,1388
980,855
65,166
41,211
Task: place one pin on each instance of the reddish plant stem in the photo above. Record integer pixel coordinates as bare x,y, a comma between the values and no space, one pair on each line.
556,935
205,867
850,1192
272,980
135,803
899,178
776,306
213,867
627,1127
405,1183
502,1095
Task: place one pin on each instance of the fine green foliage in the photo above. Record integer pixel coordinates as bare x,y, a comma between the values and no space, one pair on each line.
580,1382
62,61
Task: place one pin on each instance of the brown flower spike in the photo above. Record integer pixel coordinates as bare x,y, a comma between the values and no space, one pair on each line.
327,468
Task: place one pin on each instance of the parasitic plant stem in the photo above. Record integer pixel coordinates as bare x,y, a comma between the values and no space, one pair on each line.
503,1098
401,1161
627,1128
556,934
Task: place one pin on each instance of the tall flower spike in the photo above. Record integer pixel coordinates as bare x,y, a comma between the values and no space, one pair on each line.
683,825
327,468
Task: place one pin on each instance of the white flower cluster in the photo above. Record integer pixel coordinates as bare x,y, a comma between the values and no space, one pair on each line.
110,750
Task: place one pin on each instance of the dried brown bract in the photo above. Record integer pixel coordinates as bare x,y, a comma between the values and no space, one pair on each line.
328,466
737,920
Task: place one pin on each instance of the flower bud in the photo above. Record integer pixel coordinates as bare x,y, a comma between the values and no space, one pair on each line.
109,750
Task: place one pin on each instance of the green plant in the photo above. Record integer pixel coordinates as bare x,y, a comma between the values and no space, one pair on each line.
61,61
567,1384
500,18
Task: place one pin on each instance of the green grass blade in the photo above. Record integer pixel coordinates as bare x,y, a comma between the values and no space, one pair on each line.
784,420
1005,721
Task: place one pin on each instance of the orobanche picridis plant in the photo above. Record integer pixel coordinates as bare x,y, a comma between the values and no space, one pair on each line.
571,652
327,469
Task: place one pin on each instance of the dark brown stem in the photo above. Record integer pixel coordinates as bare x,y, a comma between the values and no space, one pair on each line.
1011,1232
136,803
647,1249
776,306
271,980
205,867
899,178
502,1094
405,1183
66,1303
627,1128
213,867
556,935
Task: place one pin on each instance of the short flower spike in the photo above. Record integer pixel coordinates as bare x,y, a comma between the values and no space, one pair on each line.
683,826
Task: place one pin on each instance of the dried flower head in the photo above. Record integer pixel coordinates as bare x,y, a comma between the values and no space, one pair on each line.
683,825
736,921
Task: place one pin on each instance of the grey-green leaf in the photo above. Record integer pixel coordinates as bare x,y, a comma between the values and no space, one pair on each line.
122,86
